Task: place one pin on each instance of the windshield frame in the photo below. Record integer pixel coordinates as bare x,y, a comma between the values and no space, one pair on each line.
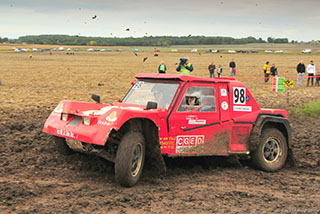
153,81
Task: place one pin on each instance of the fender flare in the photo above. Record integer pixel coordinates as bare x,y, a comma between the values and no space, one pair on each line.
262,120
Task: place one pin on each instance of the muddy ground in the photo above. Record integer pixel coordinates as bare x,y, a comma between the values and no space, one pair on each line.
35,178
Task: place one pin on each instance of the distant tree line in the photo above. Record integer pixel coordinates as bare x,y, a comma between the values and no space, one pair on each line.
141,41
4,39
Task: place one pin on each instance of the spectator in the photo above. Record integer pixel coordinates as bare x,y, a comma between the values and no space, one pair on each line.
162,68
185,67
232,66
301,69
273,70
266,70
219,71
211,69
311,69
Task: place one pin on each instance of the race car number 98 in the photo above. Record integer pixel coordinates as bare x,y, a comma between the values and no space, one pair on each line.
239,95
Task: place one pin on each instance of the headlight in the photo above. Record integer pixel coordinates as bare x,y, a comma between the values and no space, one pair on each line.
86,121
64,117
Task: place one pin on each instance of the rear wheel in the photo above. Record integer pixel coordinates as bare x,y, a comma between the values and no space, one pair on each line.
130,158
271,154
62,146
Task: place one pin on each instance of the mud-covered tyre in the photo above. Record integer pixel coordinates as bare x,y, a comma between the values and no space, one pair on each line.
130,158
272,151
61,146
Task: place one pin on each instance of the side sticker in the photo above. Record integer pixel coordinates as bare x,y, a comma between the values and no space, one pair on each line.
223,92
196,122
224,105
242,108
112,117
187,143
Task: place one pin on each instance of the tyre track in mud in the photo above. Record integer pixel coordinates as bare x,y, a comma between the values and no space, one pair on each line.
34,178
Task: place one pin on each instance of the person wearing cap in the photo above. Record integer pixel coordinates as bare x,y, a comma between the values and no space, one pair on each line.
162,68
185,67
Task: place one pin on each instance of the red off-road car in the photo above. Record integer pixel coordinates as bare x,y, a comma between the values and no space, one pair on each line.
175,116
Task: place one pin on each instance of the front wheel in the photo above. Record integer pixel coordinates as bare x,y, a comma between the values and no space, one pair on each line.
130,158
272,152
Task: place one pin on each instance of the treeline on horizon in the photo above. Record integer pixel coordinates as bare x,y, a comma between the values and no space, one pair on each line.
141,41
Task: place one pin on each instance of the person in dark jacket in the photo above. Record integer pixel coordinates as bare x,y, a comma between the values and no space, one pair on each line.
232,66
301,69
273,70
162,68
211,69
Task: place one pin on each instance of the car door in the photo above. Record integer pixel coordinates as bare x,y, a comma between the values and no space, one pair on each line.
197,129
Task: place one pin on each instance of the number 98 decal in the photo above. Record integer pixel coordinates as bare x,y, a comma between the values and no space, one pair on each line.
239,95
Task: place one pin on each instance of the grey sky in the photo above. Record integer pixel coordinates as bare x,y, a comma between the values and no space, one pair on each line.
294,19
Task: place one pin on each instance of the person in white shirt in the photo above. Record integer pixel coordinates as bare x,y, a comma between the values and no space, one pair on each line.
311,69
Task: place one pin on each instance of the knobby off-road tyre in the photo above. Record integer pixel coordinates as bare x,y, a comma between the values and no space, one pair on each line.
61,146
130,158
272,151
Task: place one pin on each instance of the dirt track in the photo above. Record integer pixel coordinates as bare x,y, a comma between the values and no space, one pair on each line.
37,179
34,178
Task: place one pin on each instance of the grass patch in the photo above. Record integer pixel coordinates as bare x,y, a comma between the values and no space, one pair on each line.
311,109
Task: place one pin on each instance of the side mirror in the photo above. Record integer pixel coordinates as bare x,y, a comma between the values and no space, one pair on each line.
151,105
96,98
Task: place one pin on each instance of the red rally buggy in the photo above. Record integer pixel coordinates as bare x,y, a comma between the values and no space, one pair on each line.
176,116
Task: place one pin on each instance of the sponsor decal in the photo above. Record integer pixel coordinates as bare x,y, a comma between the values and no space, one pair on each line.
187,142
242,108
59,108
65,133
104,123
224,105
112,117
196,122
191,117
223,92
167,143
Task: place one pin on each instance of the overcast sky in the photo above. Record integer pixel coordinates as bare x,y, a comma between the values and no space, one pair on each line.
293,19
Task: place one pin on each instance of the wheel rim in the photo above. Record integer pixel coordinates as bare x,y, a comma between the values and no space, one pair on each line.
137,160
271,150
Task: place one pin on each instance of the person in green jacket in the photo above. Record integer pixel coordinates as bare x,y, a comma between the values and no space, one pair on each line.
162,68
185,67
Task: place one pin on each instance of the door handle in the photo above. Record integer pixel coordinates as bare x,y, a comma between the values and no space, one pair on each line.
182,127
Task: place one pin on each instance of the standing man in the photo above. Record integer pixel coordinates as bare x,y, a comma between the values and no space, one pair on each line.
274,70
185,67
266,71
211,69
162,68
301,69
311,69
232,66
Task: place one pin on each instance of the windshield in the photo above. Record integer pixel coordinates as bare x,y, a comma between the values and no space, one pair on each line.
159,92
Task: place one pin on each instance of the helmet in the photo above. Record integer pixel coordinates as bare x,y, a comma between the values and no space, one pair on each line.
196,96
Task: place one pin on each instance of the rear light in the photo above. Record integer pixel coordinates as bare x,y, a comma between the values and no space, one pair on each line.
64,117
86,121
